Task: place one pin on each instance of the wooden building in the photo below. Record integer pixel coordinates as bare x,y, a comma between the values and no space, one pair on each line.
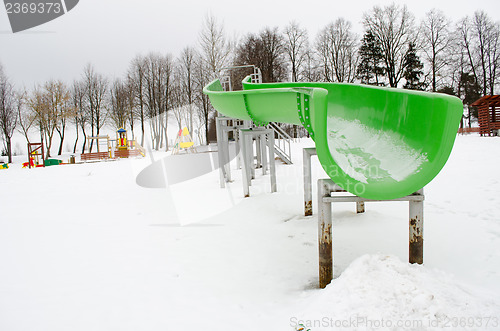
488,114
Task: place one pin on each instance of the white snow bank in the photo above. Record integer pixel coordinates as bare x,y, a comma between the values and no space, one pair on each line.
382,292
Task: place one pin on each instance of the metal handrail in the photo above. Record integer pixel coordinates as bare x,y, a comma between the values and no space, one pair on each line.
283,140
256,77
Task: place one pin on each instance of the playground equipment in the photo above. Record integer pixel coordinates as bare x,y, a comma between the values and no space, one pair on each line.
184,142
121,139
36,157
488,114
4,166
377,143
102,143
126,148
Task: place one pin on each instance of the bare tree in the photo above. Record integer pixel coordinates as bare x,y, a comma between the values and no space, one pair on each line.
43,102
81,119
136,78
186,77
480,38
96,86
8,113
202,76
393,28
158,88
178,102
120,104
436,43
311,67
266,51
64,111
338,49
25,117
215,47
296,45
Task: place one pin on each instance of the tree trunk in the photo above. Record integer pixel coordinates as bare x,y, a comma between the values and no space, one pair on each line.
76,140
9,148
61,143
84,140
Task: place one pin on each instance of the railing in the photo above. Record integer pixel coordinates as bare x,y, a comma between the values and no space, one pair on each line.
141,149
225,80
282,143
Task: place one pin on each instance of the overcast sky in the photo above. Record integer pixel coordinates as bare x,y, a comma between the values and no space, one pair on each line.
109,33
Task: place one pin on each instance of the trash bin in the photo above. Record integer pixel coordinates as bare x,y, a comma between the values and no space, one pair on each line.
72,159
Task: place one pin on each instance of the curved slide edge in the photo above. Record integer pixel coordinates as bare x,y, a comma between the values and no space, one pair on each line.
377,143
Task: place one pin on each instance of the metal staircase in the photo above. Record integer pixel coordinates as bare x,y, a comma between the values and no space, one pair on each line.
282,143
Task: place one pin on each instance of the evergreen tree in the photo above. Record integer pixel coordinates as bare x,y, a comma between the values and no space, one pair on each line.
371,56
413,69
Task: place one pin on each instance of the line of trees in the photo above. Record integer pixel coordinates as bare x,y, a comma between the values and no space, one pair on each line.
395,50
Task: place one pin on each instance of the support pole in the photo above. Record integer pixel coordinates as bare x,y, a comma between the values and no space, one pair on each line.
360,207
244,166
325,200
416,246
263,141
324,235
220,152
272,166
306,157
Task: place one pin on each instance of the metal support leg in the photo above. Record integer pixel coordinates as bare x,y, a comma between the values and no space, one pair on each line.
416,247
244,167
220,152
226,160
325,200
360,207
272,166
263,142
307,181
258,151
251,158
324,235
236,135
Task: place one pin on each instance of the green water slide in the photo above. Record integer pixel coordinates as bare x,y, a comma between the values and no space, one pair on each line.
378,143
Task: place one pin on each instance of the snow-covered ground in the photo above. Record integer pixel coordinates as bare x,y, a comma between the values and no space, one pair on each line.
83,247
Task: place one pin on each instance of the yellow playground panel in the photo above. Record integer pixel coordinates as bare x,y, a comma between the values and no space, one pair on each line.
184,141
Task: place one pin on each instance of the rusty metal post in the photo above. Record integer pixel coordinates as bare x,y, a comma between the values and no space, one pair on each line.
306,160
325,235
360,207
416,246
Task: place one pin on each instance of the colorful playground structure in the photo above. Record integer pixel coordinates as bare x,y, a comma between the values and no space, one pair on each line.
124,147
36,156
183,142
